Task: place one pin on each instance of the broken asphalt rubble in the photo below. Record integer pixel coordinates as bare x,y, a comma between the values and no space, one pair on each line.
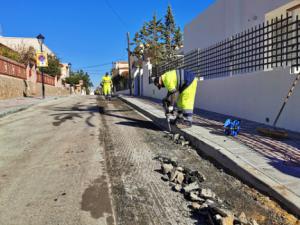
203,200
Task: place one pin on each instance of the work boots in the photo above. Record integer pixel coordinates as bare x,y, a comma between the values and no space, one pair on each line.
183,124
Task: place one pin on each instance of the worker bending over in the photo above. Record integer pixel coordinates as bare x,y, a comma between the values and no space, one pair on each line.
184,83
106,85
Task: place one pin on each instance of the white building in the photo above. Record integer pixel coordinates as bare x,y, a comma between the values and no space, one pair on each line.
120,71
19,43
65,70
256,96
120,68
228,17
64,73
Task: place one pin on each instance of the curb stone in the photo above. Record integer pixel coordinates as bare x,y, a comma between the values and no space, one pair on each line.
16,109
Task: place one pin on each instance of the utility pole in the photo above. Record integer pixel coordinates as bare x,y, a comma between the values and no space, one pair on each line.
129,63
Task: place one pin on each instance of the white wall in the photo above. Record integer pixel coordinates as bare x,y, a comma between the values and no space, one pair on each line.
16,43
150,90
124,92
253,97
225,18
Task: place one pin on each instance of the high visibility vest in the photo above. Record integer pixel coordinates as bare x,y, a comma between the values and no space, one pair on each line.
186,83
177,80
169,80
106,80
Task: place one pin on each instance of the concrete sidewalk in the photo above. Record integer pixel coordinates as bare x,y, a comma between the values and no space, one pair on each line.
271,166
9,106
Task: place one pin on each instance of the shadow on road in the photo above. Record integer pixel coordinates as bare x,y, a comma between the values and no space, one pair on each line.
129,121
287,167
279,152
77,111
63,117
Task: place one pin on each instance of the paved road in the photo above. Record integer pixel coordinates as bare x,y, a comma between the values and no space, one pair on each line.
52,166
140,196
83,160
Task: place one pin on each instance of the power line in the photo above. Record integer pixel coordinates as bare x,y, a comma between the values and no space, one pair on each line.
117,14
93,66
96,73
98,65
97,69
94,70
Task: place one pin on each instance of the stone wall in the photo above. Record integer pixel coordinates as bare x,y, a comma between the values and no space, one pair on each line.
51,90
11,87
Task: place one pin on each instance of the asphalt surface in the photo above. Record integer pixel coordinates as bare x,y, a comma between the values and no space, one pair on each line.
140,196
83,160
52,167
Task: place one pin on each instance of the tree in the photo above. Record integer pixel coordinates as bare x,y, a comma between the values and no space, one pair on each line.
168,34
157,39
178,42
53,68
144,34
138,46
140,41
27,54
147,40
75,77
169,20
154,28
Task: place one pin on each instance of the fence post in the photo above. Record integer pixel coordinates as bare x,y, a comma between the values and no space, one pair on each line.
55,81
297,43
198,63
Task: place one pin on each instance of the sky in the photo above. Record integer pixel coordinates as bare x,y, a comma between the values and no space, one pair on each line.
91,32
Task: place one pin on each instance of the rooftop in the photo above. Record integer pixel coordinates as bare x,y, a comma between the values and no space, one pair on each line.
16,43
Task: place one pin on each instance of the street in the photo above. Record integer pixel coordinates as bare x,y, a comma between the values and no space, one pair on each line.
83,160
52,168
176,113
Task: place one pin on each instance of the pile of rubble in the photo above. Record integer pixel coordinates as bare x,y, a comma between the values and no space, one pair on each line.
177,138
203,200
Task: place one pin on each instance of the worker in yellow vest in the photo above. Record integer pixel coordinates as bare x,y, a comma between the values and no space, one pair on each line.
184,83
106,84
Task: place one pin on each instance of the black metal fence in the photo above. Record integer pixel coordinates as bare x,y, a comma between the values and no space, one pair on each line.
272,44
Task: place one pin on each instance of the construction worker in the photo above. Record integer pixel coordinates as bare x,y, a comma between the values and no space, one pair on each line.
106,84
184,83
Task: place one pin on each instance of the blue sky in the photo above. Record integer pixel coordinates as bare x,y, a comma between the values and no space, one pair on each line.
88,32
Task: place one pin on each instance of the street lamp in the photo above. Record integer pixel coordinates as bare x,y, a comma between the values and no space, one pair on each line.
69,65
41,39
69,69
